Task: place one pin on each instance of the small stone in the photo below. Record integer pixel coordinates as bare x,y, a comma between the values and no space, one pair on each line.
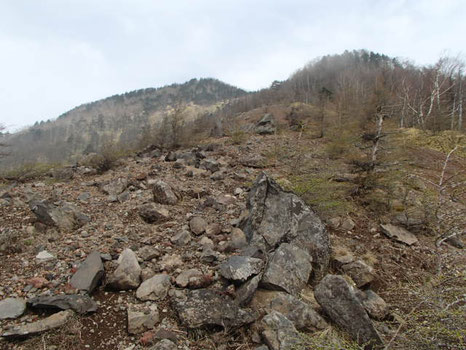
197,225
44,256
155,288
142,318
153,214
12,308
163,193
164,344
184,277
182,238
375,306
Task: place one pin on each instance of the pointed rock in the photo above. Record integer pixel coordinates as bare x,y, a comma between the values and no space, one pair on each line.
128,273
155,288
289,269
89,274
340,303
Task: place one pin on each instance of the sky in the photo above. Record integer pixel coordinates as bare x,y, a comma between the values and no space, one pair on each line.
58,54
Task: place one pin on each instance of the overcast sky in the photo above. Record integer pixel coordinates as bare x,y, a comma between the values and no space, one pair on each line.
57,54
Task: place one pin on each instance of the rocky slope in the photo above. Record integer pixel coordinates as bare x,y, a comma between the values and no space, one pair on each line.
199,249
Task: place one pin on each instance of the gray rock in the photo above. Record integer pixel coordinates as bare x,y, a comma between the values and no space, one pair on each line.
82,304
238,239
54,321
303,316
360,272
399,234
89,274
153,214
84,197
197,225
266,126
184,277
128,273
254,161
148,253
375,306
279,333
44,256
289,269
114,188
340,303
210,164
245,292
142,318
240,268
155,288
206,307
163,193
164,344
12,308
277,216
182,238
63,215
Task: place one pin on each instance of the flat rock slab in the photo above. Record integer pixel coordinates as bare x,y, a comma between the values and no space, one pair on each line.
128,273
240,268
278,216
340,303
82,304
12,308
399,234
288,270
51,322
89,274
205,307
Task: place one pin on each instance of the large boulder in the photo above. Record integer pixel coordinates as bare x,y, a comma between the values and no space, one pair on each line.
163,193
339,301
289,269
128,273
63,215
277,216
89,274
206,307
266,126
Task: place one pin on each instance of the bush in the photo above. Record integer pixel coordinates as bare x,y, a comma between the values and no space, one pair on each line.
29,171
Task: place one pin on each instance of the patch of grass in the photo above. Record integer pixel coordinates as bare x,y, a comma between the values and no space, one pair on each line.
327,197
328,339
29,171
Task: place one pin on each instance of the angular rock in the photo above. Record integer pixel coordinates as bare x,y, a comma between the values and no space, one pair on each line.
206,307
240,268
340,303
64,215
266,126
165,344
279,333
155,288
170,262
82,304
128,273
360,272
114,188
44,256
163,193
181,238
153,214
54,321
289,269
142,318
89,274
303,316
399,234
245,292
278,216
375,306
147,253
197,225
12,308
238,239
210,164
186,276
